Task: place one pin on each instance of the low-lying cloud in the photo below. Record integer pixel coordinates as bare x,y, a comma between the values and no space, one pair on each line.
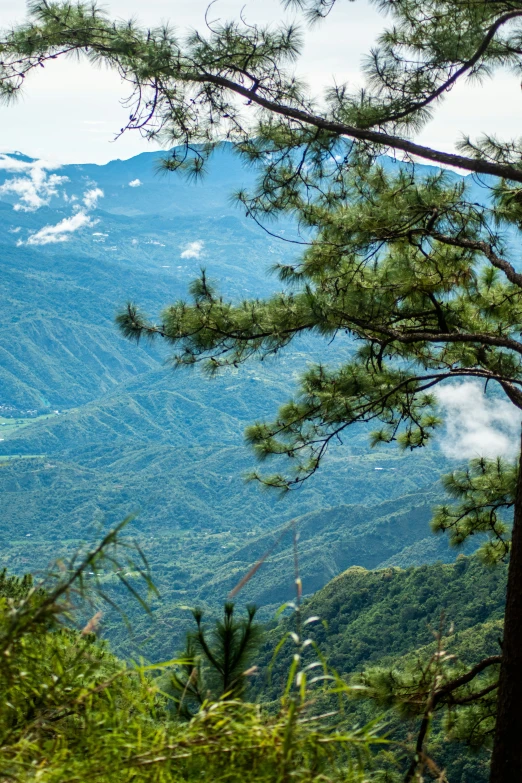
91,197
135,183
34,186
476,425
193,249
16,165
60,232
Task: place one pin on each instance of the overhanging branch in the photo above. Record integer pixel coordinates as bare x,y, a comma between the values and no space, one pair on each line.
362,134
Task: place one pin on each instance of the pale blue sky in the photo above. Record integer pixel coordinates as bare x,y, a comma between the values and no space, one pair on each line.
70,111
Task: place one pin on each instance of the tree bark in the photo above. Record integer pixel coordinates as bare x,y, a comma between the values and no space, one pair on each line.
506,762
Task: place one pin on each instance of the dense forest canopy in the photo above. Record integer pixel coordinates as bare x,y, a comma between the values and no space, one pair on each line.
423,280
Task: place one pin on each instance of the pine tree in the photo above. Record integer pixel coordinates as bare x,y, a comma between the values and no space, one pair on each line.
405,267
215,667
15,587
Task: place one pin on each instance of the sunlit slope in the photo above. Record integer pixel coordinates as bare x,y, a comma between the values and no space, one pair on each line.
388,618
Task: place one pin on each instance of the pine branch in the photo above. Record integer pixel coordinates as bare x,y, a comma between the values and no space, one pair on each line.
483,247
465,67
380,138
438,695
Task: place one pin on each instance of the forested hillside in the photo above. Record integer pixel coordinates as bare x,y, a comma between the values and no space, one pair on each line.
95,428
387,620
368,617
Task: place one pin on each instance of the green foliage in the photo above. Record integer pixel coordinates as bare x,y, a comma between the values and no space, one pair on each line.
438,669
217,667
446,695
15,587
371,616
484,490
55,680
381,632
71,711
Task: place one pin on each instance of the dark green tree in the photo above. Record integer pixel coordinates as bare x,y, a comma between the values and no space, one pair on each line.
406,268
15,587
216,665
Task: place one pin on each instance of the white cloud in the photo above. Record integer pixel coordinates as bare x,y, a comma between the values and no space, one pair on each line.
134,242
35,190
33,186
193,249
15,230
476,425
90,197
18,166
135,183
60,232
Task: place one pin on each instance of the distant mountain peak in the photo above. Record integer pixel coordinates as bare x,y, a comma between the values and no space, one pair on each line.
17,155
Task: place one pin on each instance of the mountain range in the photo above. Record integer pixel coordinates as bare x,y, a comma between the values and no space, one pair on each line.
93,428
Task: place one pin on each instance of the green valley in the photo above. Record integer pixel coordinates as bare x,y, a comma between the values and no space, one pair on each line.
112,431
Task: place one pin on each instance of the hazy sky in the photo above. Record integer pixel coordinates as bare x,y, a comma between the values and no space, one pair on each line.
70,112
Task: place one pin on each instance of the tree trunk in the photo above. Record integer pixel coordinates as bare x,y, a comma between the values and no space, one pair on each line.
506,762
